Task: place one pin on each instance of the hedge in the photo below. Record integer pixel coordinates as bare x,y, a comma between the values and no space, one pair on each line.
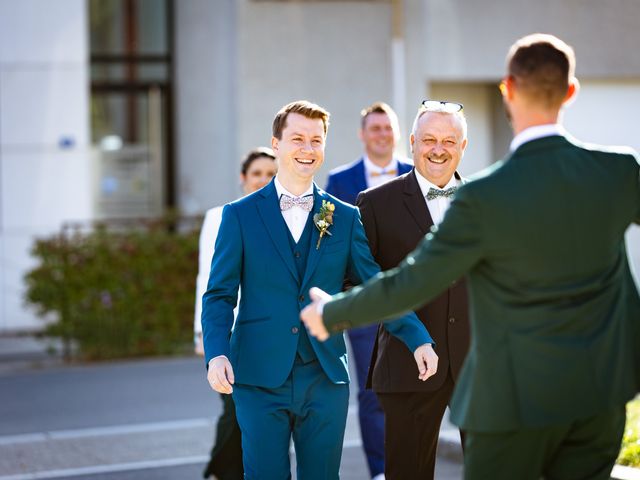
120,289
630,451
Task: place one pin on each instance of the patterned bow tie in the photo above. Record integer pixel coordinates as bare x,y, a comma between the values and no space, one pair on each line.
393,172
305,203
434,193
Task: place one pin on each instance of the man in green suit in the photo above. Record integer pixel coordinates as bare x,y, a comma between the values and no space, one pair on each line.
555,314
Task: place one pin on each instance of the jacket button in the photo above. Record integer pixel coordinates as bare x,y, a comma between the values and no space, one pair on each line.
452,320
294,330
301,298
297,254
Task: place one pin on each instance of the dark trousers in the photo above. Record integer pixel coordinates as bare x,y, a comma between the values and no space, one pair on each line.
226,454
370,413
583,449
412,427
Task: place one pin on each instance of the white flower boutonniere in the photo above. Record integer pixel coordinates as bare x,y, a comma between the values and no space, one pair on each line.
324,219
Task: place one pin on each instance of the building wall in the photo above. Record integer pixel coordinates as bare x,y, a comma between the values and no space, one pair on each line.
337,54
469,39
207,161
44,162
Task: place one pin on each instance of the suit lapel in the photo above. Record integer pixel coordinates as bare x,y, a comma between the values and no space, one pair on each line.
315,254
359,178
269,210
416,203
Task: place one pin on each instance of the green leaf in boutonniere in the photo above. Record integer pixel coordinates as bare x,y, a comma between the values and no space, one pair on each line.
323,220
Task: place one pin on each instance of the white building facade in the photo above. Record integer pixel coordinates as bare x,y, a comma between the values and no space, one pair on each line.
230,65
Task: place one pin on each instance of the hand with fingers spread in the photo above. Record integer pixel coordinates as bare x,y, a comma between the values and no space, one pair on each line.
427,361
220,374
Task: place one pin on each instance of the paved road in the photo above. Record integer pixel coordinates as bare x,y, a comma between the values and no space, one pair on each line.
147,419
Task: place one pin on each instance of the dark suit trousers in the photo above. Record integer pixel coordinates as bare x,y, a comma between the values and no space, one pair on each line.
226,454
583,449
370,413
412,427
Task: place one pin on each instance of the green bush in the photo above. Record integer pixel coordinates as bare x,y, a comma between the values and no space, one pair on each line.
118,291
630,451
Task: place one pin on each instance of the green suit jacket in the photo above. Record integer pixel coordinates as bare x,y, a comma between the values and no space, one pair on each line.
555,314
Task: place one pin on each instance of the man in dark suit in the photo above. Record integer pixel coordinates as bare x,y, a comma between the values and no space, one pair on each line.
555,313
274,244
396,216
379,133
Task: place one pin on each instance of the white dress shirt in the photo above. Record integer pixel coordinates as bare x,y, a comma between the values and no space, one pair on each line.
438,206
376,175
295,217
536,132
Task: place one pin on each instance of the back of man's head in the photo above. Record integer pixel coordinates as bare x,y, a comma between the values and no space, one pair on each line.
542,67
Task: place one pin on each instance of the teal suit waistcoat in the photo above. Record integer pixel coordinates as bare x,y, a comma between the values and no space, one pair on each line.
555,313
252,251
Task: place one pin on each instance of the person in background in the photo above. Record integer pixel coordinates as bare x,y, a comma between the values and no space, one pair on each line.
258,168
379,133
396,216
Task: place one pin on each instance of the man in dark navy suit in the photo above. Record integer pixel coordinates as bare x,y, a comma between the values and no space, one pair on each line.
379,132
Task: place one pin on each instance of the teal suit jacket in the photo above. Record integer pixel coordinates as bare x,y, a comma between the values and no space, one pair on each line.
555,314
252,252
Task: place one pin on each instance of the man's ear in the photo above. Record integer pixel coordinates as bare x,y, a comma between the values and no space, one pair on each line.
274,144
572,91
507,86
465,142
412,140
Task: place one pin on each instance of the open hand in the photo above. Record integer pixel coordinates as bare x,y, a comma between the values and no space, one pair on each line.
220,374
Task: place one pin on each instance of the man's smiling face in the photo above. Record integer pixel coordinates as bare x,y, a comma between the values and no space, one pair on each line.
438,145
300,151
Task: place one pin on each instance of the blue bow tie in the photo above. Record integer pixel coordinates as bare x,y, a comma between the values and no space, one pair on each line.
305,203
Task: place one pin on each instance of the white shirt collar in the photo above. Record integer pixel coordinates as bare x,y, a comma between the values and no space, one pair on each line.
281,190
536,132
425,184
369,166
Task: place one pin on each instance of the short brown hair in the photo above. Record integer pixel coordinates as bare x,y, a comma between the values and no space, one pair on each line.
302,107
377,107
542,66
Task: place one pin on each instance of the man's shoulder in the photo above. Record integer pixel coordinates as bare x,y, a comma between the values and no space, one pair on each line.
346,170
404,164
607,150
387,189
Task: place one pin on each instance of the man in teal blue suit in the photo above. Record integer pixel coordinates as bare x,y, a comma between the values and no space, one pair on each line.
274,244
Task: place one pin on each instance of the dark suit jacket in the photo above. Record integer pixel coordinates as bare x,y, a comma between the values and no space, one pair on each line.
555,313
396,218
347,181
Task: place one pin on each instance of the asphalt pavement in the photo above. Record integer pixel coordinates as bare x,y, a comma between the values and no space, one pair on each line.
141,419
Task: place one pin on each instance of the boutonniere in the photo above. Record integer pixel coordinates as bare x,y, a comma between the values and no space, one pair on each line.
324,219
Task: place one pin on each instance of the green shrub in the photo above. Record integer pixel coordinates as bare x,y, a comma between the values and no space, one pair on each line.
118,291
630,451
